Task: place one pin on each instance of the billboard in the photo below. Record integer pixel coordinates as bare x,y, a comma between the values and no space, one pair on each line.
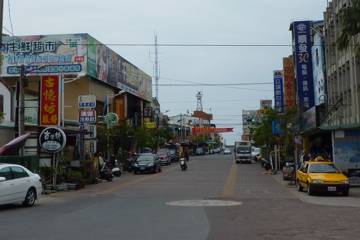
303,60
279,91
289,82
106,65
49,100
44,54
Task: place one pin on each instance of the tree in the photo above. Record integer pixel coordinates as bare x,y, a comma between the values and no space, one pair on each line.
1,116
350,19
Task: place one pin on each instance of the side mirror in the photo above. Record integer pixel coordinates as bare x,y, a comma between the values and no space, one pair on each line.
2,179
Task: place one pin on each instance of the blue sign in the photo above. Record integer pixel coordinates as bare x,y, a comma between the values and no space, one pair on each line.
279,91
276,128
303,60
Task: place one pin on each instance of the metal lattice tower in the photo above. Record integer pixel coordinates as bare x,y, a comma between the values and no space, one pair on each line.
199,106
156,68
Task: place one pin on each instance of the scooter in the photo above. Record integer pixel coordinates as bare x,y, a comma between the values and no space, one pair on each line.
183,164
106,173
116,170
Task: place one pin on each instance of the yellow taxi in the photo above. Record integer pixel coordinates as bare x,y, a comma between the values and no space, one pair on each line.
321,177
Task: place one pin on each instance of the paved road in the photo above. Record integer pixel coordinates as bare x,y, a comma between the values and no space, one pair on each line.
140,207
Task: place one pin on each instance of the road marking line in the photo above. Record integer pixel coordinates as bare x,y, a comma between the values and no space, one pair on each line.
229,188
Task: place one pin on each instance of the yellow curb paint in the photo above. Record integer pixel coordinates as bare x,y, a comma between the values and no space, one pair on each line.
229,188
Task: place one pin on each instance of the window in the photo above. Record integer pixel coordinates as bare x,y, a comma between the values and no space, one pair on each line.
6,173
19,172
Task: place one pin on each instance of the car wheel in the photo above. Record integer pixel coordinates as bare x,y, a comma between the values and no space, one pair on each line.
299,187
30,198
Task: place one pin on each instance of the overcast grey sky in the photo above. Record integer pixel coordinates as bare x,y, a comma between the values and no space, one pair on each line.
188,22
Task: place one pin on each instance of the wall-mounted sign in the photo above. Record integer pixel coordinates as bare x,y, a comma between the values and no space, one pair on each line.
49,100
147,112
150,125
87,116
52,139
87,101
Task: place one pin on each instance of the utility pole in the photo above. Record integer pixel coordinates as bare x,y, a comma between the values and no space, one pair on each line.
21,104
157,70
1,25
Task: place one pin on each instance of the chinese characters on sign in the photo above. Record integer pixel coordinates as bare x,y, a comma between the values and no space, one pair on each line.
52,139
87,116
87,101
289,82
279,91
303,59
49,100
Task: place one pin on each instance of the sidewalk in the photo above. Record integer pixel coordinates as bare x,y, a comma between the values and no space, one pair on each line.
353,200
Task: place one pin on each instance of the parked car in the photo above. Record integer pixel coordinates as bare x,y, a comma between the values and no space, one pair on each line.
321,177
19,185
173,155
147,162
227,151
164,156
199,151
217,150
255,153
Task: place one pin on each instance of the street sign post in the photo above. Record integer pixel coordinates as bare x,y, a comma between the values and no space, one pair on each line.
87,116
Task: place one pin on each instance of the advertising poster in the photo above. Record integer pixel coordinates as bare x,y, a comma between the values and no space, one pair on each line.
106,65
49,54
318,59
289,83
303,61
49,100
279,91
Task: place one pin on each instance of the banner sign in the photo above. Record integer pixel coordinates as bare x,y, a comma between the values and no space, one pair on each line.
49,100
87,116
289,82
207,130
279,91
303,60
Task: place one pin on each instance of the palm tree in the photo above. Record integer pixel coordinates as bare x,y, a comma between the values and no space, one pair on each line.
350,18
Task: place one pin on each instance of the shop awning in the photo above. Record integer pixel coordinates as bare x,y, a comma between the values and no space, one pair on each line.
14,145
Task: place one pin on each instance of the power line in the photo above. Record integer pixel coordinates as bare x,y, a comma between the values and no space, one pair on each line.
213,84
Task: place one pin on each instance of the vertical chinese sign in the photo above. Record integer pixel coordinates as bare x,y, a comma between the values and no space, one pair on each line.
303,60
49,100
279,91
289,83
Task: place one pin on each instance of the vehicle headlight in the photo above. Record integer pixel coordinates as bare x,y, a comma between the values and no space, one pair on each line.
150,164
135,164
345,181
317,181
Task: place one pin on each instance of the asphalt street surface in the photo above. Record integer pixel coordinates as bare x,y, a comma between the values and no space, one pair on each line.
151,206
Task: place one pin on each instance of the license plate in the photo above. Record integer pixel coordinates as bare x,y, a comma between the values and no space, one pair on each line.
142,168
331,189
